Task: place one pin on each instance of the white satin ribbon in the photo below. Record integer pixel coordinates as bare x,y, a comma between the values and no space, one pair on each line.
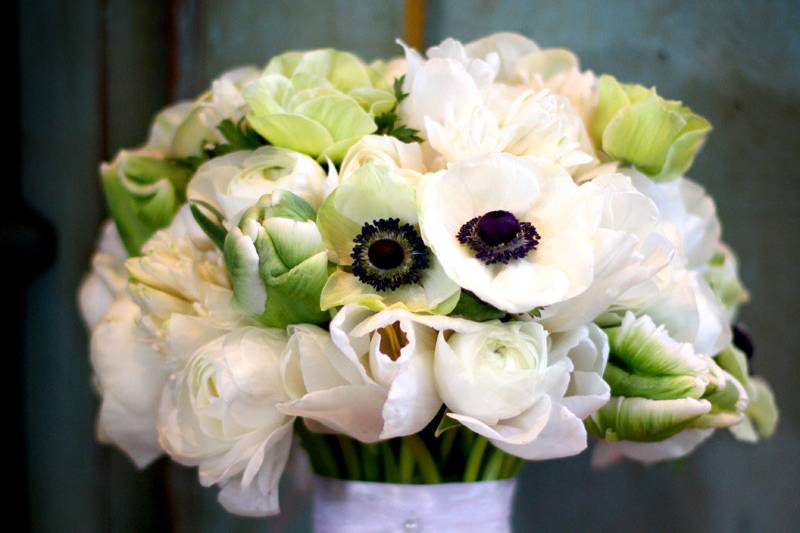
365,507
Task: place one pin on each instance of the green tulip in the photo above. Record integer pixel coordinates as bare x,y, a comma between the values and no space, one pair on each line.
660,387
319,103
637,126
143,193
277,263
722,275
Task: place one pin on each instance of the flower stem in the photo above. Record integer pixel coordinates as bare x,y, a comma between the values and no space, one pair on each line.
494,465
369,454
427,466
406,462
390,471
321,457
474,459
448,440
350,458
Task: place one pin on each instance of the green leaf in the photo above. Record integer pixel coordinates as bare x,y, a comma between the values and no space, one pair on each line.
471,307
399,95
213,228
445,424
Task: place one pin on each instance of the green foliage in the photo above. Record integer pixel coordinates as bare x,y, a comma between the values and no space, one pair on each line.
388,123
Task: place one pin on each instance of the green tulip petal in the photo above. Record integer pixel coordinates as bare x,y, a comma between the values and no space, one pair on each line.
190,136
643,420
242,261
611,98
294,297
734,361
623,383
762,409
123,209
293,241
157,210
646,349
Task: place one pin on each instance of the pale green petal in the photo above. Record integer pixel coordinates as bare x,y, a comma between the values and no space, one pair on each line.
267,95
294,297
340,115
680,155
191,135
294,241
649,350
611,98
284,64
133,231
623,383
643,420
733,361
345,70
375,101
762,409
158,210
642,134
372,192
242,262
294,132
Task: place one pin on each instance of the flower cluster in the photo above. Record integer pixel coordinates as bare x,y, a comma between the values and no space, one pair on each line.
480,248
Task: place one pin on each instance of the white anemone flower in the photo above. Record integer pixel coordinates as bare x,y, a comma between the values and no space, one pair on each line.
518,234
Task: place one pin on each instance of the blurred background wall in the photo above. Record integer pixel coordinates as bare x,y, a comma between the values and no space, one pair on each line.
92,73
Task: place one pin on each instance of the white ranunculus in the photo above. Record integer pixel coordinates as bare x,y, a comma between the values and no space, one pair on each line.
236,181
183,288
565,216
129,375
107,279
523,391
219,413
464,111
628,250
371,378
686,214
405,159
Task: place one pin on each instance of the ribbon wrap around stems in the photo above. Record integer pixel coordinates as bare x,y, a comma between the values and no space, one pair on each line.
366,507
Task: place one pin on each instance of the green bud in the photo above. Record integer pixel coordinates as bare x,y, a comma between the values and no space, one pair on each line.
637,126
277,263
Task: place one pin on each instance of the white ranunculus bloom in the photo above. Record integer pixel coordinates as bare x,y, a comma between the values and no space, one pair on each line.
523,391
497,195
686,214
405,159
183,288
372,377
129,375
219,413
464,111
107,279
224,100
236,181
628,250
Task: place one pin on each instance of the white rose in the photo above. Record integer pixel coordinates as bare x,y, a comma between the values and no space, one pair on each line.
220,414
236,181
107,279
504,382
129,375
371,378
517,234
405,159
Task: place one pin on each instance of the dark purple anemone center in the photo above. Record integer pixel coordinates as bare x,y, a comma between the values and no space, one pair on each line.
498,237
497,227
386,254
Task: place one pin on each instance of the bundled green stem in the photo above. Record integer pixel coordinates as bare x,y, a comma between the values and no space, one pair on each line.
457,455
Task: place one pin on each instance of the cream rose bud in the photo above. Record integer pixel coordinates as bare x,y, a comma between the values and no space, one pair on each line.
129,374
510,383
220,414
234,182
372,377
107,279
405,159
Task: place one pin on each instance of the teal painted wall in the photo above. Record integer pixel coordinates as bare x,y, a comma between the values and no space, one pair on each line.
93,73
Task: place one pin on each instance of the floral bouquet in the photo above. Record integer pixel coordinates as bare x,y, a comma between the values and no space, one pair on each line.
425,271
